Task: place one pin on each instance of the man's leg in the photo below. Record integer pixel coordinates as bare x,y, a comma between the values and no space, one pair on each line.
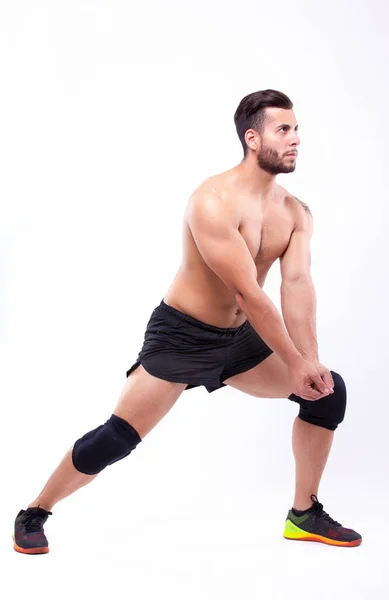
64,481
311,444
311,447
313,433
143,402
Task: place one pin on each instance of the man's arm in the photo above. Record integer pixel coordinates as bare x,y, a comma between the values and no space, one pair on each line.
223,248
298,297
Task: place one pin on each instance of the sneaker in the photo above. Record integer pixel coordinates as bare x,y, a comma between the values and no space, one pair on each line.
29,537
315,525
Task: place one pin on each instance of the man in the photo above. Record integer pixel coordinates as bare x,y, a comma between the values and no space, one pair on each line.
216,327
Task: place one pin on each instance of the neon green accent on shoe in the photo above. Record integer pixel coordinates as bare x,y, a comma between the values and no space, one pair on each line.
297,520
294,532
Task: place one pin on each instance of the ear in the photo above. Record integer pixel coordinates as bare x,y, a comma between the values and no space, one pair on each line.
253,139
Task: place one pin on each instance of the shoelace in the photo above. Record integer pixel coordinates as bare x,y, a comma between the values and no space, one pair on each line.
317,509
33,522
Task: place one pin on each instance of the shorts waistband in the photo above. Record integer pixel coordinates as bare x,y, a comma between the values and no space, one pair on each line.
184,317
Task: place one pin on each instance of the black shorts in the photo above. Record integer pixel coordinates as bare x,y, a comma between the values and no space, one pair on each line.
181,349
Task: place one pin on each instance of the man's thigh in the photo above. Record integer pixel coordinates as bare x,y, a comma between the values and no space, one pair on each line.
269,379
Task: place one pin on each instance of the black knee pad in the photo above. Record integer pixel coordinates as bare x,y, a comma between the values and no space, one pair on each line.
104,445
327,412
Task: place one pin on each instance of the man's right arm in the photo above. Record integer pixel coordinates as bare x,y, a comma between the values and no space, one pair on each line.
224,250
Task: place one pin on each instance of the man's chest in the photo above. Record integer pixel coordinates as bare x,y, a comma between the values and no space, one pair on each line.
267,237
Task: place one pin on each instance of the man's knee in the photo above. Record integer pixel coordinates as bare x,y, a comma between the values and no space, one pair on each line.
104,445
327,412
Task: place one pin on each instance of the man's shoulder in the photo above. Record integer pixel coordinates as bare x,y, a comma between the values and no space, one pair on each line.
215,190
305,206
212,200
215,185
296,202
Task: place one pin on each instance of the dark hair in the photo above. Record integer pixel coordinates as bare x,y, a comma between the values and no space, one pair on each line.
250,113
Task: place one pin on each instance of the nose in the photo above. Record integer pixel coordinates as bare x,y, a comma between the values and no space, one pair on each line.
295,141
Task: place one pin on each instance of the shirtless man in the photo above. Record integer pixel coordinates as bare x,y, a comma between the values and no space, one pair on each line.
216,327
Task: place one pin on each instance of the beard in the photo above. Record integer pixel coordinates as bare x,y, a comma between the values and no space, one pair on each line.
270,161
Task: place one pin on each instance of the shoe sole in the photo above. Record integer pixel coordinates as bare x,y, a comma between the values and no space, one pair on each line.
42,550
296,534
323,540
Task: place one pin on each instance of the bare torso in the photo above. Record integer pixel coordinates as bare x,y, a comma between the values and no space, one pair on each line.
266,228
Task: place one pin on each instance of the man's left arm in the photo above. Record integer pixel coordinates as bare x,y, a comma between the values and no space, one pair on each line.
298,297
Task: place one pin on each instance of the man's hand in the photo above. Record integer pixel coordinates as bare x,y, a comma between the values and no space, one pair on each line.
325,374
311,380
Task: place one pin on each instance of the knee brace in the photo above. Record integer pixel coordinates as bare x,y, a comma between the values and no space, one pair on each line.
327,412
104,445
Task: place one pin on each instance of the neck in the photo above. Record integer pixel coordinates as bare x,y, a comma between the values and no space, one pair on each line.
258,181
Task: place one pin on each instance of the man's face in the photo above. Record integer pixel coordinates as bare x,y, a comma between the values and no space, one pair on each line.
277,152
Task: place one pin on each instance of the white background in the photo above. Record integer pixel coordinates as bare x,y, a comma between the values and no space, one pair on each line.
110,114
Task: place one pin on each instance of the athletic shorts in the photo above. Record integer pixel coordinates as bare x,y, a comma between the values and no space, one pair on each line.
182,349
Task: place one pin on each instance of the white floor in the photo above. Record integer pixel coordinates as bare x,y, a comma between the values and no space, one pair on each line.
108,551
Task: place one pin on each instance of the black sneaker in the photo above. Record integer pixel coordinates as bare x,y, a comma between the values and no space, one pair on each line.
29,537
315,525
